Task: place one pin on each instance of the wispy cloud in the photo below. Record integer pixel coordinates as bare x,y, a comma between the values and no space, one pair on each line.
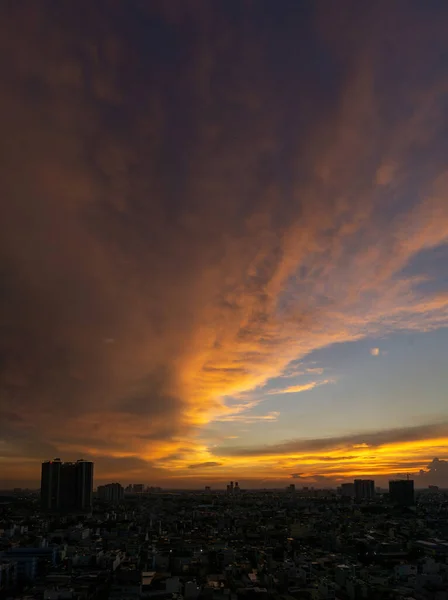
296,389
205,465
243,418
315,370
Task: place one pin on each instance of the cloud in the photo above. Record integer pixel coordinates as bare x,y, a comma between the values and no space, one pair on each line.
270,416
9,416
375,351
229,413
435,473
205,465
370,439
386,174
299,388
336,458
206,204
314,478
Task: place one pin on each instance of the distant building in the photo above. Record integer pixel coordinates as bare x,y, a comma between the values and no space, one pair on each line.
347,490
364,489
111,492
66,486
291,487
401,492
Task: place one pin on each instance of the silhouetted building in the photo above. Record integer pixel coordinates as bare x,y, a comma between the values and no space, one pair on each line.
84,486
50,484
111,492
401,491
67,486
364,489
348,490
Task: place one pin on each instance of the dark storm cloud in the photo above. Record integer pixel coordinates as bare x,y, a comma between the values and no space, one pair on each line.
166,171
436,473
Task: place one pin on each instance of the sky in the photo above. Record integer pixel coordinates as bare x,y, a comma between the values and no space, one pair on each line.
224,241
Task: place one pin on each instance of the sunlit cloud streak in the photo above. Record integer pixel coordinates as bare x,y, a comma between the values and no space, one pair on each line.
297,389
363,440
271,416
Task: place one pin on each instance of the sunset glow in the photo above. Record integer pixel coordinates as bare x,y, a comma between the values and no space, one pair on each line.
224,242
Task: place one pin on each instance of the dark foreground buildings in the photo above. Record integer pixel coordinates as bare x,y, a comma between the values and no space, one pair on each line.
66,486
401,492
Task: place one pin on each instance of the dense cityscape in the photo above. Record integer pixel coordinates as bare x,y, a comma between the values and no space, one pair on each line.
358,541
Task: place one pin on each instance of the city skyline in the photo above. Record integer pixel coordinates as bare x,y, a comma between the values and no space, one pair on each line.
224,242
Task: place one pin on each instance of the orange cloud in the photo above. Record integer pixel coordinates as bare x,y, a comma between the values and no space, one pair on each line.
175,232
293,389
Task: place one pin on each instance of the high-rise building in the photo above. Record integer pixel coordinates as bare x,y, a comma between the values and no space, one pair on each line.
67,486
84,484
401,491
50,484
68,493
111,492
364,489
